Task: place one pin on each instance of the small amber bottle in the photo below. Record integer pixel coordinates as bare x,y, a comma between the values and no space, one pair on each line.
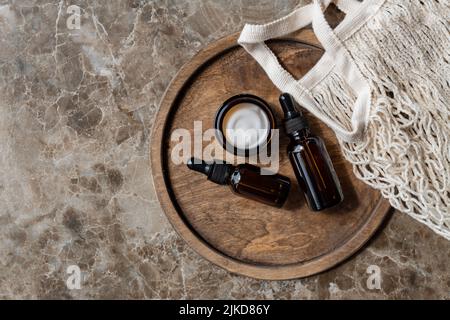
309,157
246,180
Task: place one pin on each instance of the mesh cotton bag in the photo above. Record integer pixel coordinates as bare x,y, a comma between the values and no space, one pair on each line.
383,86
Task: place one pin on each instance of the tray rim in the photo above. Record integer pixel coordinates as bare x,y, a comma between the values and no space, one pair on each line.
191,237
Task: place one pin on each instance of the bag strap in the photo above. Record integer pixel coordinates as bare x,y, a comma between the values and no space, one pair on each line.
252,39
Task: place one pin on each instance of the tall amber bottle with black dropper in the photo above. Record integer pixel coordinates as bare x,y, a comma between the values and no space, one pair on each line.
246,180
309,157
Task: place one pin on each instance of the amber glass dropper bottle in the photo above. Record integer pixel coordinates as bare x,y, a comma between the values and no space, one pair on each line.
309,158
246,180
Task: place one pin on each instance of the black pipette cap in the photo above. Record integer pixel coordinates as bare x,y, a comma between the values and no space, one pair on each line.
293,117
216,172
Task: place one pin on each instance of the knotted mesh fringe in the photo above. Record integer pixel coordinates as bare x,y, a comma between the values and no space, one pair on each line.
404,52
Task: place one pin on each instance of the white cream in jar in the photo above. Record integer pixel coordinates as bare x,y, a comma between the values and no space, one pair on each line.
246,126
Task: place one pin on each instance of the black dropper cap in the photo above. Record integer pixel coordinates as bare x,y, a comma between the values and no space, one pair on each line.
216,172
293,117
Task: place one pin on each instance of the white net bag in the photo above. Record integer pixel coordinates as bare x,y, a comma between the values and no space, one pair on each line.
383,86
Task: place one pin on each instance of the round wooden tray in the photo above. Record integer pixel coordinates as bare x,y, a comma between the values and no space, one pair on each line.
241,235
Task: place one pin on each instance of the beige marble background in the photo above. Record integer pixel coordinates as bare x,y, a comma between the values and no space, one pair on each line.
76,111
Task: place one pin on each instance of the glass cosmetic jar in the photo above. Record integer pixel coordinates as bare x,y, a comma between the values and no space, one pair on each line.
244,125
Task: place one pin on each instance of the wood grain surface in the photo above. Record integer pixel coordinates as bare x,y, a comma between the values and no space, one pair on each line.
241,235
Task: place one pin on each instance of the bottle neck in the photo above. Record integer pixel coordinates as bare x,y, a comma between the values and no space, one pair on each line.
300,134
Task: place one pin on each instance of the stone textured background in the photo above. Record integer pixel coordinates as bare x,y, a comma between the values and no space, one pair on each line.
77,108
